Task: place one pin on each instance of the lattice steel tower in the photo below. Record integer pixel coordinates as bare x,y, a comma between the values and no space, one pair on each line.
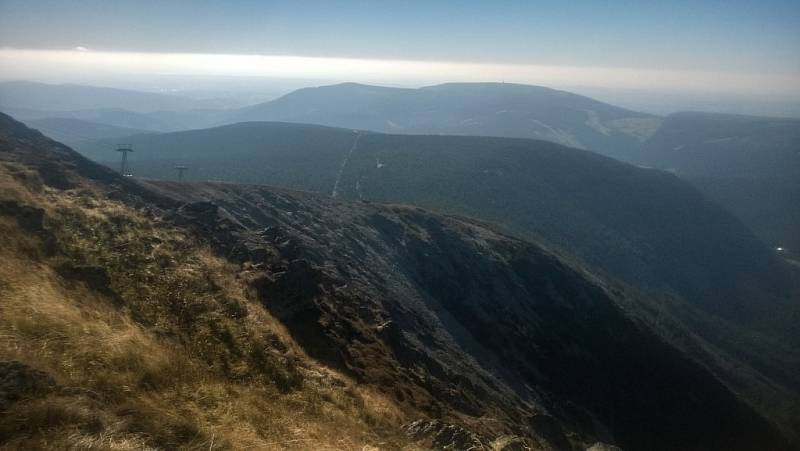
123,167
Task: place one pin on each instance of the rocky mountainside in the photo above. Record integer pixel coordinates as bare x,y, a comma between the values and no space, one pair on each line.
478,109
403,328
646,227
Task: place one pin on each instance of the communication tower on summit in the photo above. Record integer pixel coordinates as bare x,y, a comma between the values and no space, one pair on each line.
123,167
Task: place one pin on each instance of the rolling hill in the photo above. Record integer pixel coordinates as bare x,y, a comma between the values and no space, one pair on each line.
479,109
211,314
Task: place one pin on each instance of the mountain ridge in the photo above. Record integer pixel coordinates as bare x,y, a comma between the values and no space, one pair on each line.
475,109
69,96
360,287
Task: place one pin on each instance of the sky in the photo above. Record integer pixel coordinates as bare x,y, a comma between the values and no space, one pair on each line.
734,46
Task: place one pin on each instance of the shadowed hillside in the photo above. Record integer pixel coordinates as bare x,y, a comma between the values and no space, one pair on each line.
191,310
767,204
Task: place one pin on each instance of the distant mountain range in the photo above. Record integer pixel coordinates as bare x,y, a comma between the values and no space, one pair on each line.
110,106
740,159
70,97
479,109
116,117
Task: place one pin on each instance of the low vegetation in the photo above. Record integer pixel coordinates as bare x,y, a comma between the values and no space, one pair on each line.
121,332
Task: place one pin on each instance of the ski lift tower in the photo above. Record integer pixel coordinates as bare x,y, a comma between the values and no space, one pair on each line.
180,170
123,167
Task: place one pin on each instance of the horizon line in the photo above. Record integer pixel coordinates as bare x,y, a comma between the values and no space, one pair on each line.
23,64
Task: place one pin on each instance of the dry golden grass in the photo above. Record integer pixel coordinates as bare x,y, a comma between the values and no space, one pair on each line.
184,359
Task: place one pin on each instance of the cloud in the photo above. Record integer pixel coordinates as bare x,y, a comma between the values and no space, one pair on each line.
80,49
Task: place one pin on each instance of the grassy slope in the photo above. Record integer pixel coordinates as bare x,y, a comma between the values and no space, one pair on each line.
477,293
163,364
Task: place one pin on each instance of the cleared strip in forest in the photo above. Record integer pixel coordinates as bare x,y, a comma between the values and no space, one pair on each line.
335,191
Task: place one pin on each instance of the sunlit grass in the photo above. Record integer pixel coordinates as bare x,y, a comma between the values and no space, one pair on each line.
185,359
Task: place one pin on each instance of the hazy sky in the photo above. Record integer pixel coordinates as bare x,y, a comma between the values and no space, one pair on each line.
717,45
